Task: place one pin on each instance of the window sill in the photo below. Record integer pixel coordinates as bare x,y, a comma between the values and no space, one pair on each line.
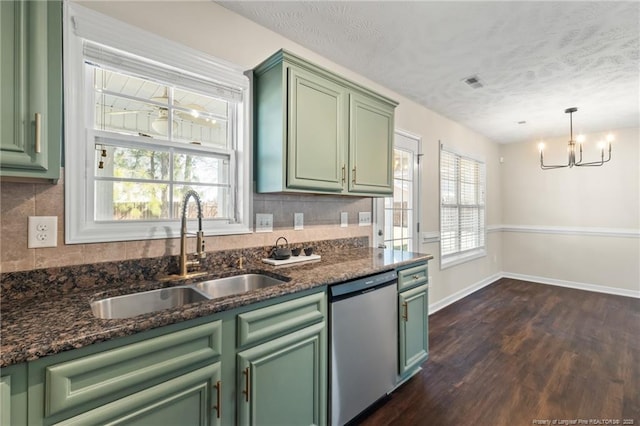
460,258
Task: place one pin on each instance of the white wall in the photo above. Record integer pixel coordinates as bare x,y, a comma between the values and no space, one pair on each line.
226,35
578,226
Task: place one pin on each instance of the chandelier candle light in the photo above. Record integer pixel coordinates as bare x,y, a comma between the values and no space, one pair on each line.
572,149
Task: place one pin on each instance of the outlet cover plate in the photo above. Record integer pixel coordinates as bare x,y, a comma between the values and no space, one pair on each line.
298,221
264,222
344,219
364,218
42,231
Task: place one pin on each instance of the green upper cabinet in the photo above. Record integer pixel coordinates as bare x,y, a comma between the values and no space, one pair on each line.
318,132
317,136
371,145
31,89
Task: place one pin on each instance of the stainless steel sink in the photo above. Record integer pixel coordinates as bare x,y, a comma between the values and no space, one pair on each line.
237,284
130,305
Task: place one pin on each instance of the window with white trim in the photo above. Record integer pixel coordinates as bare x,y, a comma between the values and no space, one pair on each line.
146,120
462,208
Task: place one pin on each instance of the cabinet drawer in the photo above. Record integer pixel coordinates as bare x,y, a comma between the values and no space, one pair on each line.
276,320
413,276
184,400
127,369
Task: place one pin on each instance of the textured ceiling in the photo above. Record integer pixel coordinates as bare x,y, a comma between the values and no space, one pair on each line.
534,58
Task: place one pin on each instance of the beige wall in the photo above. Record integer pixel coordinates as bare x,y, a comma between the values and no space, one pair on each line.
579,225
209,27
518,192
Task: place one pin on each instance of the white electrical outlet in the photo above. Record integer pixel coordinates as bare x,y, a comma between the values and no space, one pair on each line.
264,222
344,219
364,218
298,221
42,231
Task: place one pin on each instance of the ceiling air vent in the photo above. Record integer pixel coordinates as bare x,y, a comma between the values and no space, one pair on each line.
473,82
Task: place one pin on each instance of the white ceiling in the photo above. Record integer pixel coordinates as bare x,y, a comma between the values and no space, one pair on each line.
534,58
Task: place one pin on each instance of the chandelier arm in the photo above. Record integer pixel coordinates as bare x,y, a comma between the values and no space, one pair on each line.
597,163
580,160
553,166
594,163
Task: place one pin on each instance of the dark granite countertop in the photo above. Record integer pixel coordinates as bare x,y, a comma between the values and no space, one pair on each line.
43,324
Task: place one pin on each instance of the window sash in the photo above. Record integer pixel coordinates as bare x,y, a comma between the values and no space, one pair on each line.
104,201
462,206
168,144
83,25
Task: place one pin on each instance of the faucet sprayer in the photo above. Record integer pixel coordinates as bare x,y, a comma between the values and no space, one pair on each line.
200,253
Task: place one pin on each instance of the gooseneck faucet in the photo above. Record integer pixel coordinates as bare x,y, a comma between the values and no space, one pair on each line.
185,264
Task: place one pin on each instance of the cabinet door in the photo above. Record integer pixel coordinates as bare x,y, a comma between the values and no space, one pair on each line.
13,395
370,146
190,399
413,307
283,382
316,137
31,89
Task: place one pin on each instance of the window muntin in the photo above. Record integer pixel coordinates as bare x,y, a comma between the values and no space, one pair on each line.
462,207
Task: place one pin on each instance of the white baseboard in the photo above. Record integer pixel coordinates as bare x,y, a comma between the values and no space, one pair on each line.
463,293
572,284
532,278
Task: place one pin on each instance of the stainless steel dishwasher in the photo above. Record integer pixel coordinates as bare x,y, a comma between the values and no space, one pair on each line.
364,344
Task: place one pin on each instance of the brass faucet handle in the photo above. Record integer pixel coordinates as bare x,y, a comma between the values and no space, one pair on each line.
240,261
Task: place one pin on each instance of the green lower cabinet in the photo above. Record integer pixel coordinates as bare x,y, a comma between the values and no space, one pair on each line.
172,373
189,399
272,371
13,395
413,308
283,381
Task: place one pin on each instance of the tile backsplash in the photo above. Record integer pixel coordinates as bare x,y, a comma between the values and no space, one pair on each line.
18,201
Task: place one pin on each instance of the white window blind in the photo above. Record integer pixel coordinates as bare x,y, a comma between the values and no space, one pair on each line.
109,58
462,207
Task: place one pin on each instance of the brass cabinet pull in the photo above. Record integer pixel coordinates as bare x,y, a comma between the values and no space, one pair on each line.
344,177
405,316
353,176
218,407
38,120
416,277
246,384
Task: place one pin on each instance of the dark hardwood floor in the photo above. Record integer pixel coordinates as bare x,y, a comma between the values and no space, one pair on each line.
517,352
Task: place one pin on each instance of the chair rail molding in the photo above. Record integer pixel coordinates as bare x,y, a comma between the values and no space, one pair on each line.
569,230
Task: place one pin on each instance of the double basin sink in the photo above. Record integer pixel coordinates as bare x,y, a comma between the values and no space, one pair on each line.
144,302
